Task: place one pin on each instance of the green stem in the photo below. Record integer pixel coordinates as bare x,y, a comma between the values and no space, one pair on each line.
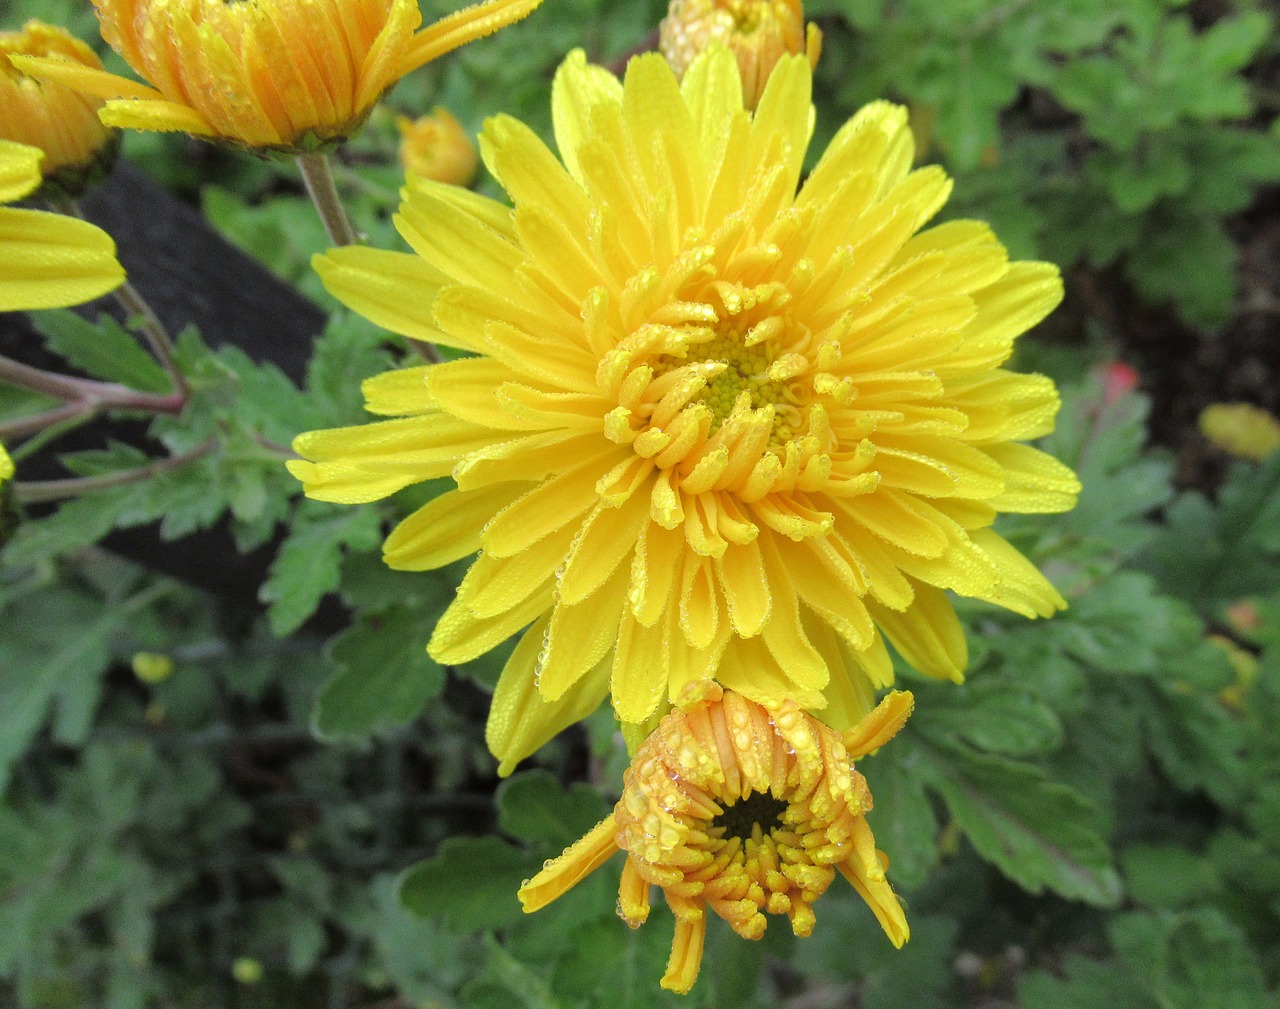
317,176
154,332
35,492
91,394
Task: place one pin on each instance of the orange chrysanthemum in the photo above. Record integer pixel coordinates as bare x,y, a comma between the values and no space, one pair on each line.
58,121
437,147
757,32
714,428
283,74
744,811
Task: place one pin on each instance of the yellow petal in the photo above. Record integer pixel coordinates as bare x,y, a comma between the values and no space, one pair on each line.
50,261
927,634
461,27
579,860
445,529
520,720
372,282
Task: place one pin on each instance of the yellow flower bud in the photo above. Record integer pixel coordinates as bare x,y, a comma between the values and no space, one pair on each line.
55,119
1241,429
283,75
757,32
436,147
152,667
247,970
6,466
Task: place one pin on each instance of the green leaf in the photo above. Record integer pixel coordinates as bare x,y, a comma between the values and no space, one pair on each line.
55,648
105,350
993,716
1039,833
1191,960
902,818
534,807
1166,875
309,562
1088,984
470,884
384,678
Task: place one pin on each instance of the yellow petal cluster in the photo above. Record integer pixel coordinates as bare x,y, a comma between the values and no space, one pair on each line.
436,147
47,260
62,123
739,810
712,426
284,74
757,32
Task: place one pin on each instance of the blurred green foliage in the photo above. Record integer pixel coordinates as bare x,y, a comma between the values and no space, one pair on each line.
294,818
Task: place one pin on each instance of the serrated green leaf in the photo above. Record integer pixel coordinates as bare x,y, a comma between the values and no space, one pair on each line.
104,351
1039,833
384,678
1087,984
992,716
307,567
1191,960
470,884
534,807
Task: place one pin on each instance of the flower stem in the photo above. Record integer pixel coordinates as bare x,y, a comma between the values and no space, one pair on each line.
153,330
317,176
35,492
90,394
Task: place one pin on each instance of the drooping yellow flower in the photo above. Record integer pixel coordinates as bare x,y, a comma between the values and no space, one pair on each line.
436,147
757,32
741,810
1241,429
714,428
47,260
61,122
284,74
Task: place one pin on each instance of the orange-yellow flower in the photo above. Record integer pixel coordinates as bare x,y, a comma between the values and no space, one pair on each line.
284,74
757,32
61,122
436,147
47,260
741,810
713,427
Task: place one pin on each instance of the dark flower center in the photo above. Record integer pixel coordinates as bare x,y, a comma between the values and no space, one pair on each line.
740,818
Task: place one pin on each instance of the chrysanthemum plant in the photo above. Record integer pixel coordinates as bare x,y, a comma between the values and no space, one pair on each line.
711,435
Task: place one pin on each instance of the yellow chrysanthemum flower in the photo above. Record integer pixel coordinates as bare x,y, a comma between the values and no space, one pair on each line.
741,810
47,260
61,122
757,32
284,74
715,428
437,147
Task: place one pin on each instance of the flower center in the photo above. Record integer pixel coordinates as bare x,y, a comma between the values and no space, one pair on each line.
759,811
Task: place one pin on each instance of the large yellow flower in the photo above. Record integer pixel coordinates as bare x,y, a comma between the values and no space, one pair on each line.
61,122
287,74
742,810
47,260
714,428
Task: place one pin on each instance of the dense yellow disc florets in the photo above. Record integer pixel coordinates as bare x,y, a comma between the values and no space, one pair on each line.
289,75
742,811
